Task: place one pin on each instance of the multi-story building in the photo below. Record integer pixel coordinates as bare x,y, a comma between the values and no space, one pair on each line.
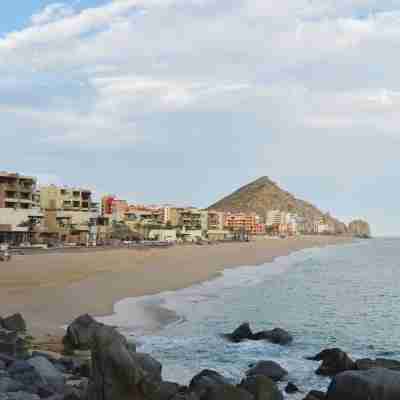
16,191
70,214
215,220
281,222
19,218
276,217
171,215
190,219
323,227
114,208
53,197
243,222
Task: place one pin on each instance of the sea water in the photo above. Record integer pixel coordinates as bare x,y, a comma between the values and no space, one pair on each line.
345,296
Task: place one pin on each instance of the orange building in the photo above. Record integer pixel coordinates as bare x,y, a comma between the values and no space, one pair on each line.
249,223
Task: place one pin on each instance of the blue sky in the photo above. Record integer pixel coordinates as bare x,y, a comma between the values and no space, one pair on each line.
183,101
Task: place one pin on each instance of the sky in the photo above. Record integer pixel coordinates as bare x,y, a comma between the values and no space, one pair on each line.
183,101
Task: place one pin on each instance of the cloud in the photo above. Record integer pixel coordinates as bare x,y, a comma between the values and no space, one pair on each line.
249,80
52,13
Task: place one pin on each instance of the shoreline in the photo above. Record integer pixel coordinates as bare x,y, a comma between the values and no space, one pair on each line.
66,285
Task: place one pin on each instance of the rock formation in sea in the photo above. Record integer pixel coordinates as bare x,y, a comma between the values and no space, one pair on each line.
360,228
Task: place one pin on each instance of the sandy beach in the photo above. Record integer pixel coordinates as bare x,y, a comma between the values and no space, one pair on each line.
52,289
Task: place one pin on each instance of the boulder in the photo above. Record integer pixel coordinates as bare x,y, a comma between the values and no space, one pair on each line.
206,379
150,366
227,392
161,391
271,369
372,384
25,373
80,332
6,359
73,394
116,374
19,396
315,395
10,385
261,387
185,396
47,371
291,388
14,322
366,363
243,332
334,361
277,336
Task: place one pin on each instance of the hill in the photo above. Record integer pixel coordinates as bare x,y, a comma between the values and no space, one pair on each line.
263,195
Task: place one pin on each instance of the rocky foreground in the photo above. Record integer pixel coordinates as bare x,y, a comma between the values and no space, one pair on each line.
114,370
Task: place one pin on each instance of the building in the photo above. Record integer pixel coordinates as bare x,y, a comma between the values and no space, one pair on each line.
145,215
283,223
17,191
190,219
53,197
218,235
164,235
275,217
171,216
322,227
215,220
242,222
191,235
20,220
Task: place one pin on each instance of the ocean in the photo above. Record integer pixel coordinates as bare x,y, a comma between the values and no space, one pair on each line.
345,296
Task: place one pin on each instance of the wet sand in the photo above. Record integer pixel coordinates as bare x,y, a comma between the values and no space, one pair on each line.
52,289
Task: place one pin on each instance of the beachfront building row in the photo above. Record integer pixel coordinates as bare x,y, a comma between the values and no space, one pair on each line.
60,214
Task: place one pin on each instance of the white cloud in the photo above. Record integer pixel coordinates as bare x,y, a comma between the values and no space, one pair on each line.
119,64
52,13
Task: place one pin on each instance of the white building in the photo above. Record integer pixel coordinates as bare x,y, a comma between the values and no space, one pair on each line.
276,217
164,235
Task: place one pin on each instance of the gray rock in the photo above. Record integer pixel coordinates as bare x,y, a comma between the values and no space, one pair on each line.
227,392
291,388
185,396
242,332
19,396
366,363
277,336
116,374
270,369
150,366
14,322
10,385
47,371
334,361
206,379
2,364
315,395
161,390
25,373
262,388
7,359
372,384
80,332
73,394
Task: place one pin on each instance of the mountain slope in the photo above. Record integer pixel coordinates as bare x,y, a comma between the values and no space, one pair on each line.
263,195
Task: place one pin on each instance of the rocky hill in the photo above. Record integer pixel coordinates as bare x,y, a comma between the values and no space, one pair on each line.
264,195
360,228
